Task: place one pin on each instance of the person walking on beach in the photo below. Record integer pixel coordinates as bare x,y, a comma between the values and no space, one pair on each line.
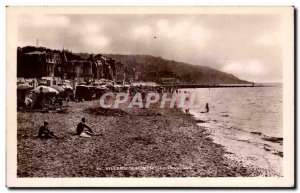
207,107
45,133
80,129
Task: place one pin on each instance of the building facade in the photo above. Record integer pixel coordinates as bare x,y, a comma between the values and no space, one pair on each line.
74,67
65,65
38,64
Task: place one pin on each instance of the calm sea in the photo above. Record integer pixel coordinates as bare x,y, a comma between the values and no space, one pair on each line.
247,122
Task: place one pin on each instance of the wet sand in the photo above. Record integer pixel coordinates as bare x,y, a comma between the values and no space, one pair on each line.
135,143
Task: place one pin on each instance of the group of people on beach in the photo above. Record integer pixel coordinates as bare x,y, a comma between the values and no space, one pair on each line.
82,130
45,133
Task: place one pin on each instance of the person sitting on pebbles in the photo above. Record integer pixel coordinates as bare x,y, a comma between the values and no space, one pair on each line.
80,130
45,133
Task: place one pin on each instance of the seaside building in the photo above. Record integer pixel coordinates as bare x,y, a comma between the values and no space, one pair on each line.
137,75
102,68
111,69
120,72
75,68
97,66
38,64
52,66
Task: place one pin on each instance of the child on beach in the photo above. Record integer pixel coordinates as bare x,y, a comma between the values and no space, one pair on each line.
45,133
80,130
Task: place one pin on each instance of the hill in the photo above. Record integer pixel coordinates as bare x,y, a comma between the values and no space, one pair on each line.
154,68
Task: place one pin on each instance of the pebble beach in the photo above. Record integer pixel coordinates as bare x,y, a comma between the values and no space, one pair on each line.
134,143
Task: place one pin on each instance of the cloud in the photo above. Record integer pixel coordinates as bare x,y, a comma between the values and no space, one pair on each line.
269,39
247,69
97,42
42,20
163,26
183,32
91,34
89,28
142,31
249,46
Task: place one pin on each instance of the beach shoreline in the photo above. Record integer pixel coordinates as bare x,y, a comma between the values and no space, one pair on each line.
135,143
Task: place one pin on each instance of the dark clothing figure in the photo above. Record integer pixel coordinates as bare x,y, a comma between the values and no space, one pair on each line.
81,126
80,130
44,132
39,102
207,108
42,96
187,111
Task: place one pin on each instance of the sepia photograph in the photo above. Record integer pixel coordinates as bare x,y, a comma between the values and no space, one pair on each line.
150,96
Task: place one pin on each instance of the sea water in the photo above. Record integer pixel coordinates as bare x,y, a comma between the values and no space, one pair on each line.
243,120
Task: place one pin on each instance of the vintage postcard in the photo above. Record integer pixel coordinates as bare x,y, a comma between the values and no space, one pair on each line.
150,97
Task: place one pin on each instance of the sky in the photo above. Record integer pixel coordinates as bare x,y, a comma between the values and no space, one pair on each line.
247,46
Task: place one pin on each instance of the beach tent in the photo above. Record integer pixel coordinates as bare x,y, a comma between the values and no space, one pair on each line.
61,96
22,90
45,102
65,86
58,88
24,87
100,90
68,87
45,89
119,88
68,90
92,90
84,92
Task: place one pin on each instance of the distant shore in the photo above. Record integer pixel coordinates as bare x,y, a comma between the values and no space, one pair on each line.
182,86
135,143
